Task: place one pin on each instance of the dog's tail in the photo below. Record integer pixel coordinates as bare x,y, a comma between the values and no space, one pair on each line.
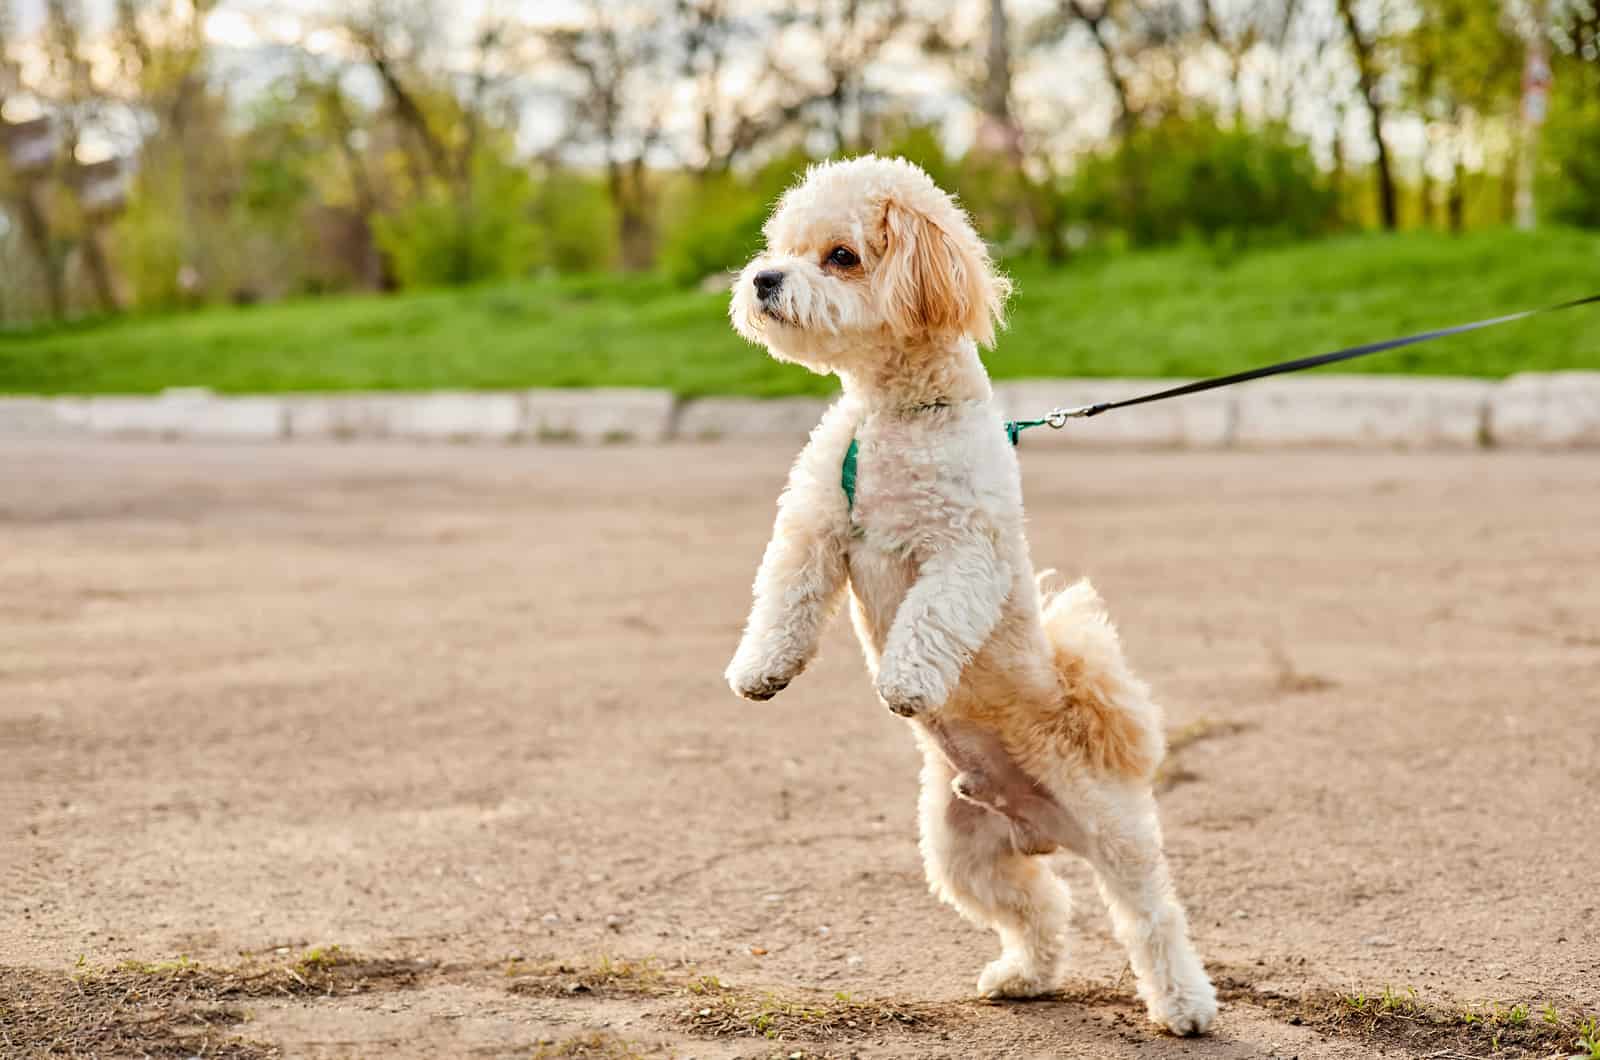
1109,718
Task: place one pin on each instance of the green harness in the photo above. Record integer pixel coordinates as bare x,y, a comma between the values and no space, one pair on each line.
847,472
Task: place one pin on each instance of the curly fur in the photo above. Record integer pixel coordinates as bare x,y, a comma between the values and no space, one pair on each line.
1035,734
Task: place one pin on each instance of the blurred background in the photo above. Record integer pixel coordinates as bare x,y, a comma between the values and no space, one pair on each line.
551,192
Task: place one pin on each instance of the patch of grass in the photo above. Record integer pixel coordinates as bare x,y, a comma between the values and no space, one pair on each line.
1404,1019
1588,1040
745,1014
595,1045
1173,312
171,1008
604,975
712,1008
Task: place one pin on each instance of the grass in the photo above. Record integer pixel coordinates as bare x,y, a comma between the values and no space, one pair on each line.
603,976
1403,1017
1157,313
593,1045
173,1008
743,1014
708,1007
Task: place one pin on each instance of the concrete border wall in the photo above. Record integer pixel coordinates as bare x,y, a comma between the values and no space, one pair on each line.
1558,410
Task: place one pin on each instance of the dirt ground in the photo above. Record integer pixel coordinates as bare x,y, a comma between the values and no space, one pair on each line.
458,712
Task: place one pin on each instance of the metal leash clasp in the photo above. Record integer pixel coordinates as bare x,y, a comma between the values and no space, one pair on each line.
1057,418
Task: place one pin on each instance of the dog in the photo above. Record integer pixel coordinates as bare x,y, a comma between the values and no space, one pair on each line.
1035,735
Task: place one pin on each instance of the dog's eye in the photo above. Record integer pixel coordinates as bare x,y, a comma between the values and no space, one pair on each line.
843,257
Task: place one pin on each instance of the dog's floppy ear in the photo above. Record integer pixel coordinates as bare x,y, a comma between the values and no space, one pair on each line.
937,279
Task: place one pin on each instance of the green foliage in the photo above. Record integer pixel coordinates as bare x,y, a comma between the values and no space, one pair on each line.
456,236
719,229
1170,312
575,224
1194,178
1461,54
717,219
149,240
1570,186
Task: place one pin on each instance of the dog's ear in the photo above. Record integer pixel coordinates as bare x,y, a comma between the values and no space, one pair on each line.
937,278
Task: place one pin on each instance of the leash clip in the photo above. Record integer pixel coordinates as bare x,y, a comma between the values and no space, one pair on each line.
1057,418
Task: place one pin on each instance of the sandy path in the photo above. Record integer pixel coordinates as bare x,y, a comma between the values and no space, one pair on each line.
464,704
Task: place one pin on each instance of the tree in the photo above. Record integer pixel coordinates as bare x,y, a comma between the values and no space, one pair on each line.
76,103
1572,138
19,188
1463,62
616,102
185,171
1364,48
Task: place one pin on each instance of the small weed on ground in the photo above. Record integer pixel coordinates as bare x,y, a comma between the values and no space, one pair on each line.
1290,679
1172,772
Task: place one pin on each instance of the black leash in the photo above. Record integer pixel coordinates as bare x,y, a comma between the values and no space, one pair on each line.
1059,417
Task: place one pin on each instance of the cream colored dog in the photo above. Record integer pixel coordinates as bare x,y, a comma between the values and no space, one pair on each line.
1035,736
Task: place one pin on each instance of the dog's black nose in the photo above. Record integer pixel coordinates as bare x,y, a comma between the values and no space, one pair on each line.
767,282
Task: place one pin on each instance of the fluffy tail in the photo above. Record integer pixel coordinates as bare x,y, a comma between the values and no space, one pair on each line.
1109,718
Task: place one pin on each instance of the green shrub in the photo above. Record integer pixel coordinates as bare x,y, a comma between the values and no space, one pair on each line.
149,239
448,238
576,225
714,221
1570,185
716,228
1192,178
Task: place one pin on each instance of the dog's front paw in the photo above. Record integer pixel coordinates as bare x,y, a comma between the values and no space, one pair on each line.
909,691
1187,1011
1009,976
759,680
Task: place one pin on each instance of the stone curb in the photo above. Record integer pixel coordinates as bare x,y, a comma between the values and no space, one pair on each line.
1546,410
599,415
778,419
1534,410
1371,411
179,413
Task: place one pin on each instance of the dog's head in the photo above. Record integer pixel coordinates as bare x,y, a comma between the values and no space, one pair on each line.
866,256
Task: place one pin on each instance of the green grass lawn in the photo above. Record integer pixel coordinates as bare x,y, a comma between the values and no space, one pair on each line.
1162,313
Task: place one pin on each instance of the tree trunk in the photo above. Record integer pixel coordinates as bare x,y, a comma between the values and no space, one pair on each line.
99,269
1367,77
637,240
635,232
1457,203
997,87
1508,184
37,230
1336,178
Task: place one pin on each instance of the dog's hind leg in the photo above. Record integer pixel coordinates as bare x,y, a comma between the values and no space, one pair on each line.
972,864
1132,873
986,776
